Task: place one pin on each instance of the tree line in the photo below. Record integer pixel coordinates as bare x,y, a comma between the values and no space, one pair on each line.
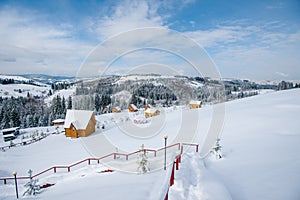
28,112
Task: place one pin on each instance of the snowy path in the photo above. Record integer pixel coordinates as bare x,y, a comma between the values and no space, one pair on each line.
195,181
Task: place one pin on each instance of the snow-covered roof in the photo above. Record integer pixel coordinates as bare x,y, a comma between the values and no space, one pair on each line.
195,102
133,107
150,110
10,129
8,135
58,121
79,118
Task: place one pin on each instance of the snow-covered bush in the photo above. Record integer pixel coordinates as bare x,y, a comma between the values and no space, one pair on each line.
143,161
32,186
217,149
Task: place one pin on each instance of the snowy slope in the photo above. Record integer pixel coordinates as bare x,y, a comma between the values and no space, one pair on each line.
261,152
259,142
20,88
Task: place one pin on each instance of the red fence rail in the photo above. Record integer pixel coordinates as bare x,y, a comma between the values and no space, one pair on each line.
114,155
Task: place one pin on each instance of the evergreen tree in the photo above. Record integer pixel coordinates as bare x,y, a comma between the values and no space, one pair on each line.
69,103
143,161
134,99
15,118
1,117
29,121
6,120
32,186
97,102
63,105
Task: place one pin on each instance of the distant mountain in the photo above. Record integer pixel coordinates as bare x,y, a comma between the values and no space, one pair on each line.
49,79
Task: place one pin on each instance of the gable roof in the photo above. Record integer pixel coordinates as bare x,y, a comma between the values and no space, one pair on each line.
79,118
58,121
150,110
133,107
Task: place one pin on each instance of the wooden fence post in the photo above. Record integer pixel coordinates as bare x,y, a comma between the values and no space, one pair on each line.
167,195
177,163
172,176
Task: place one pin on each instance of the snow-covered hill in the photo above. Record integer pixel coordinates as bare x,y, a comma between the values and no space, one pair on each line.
259,143
22,90
19,86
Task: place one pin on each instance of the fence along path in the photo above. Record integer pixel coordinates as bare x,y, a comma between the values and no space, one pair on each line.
115,159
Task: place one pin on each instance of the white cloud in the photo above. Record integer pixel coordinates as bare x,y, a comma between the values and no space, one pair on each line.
239,48
252,50
36,47
128,15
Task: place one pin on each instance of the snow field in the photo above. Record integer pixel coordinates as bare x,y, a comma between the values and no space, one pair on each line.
261,153
259,142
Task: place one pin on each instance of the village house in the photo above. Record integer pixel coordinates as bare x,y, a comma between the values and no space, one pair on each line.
195,104
79,123
150,112
132,108
58,122
116,109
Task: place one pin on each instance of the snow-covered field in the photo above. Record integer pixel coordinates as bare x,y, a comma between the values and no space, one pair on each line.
21,90
259,144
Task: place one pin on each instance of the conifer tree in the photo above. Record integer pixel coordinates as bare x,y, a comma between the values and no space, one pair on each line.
69,103
143,161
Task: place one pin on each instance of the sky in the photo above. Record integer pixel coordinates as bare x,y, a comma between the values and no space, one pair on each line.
257,39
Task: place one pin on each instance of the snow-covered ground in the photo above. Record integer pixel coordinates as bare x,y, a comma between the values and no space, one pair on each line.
261,148
259,144
21,90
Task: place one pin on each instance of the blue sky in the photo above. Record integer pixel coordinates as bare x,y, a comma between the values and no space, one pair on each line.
245,39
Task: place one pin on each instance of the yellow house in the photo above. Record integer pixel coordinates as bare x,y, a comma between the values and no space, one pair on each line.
195,104
149,112
58,122
132,108
148,106
79,123
116,109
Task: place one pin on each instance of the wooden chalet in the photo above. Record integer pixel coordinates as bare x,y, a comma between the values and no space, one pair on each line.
58,122
148,106
116,109
132,108
79,123
195,104
150,112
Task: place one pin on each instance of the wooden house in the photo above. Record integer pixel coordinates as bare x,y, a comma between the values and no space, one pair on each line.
79,123
116,109
148,106
150,112
195,104
132,108
58,122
